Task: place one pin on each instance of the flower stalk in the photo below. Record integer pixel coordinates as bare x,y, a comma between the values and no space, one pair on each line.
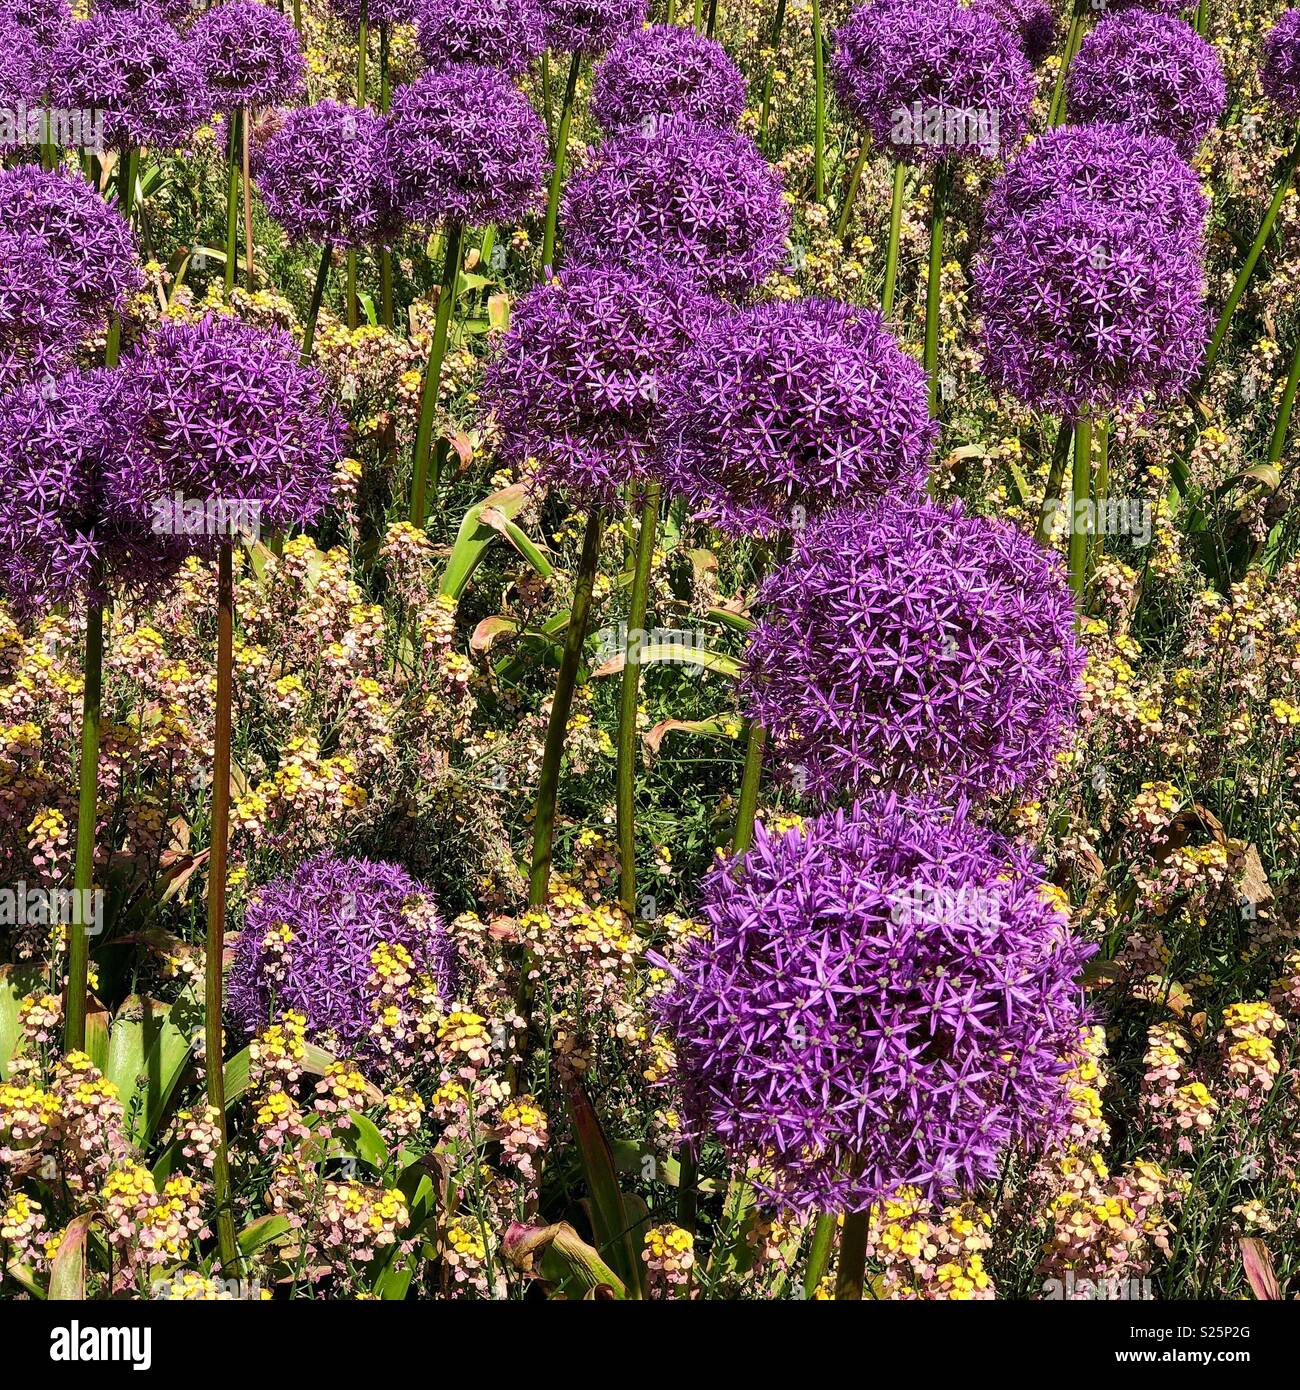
557,172
433,372
232,196
933,291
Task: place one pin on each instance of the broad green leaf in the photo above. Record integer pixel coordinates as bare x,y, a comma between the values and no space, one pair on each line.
366,1142
68,1269
611,1218
147,1053
262,1232
676,654
475,536
16,981
562,1258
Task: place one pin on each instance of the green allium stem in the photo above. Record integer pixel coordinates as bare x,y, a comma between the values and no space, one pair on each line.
317,295
386,308
214,1053
1278,442
127,172
711,28
1202,25
750,781
628,698
548,786
74,1011
363,46
232,198
557,173
1081,490
433,371
933,291
1073,37
1100,489
1055,477
1252,259
778,22
819,1253
819,96
895,232
851,1271
350,291
671,16
698,21
851,193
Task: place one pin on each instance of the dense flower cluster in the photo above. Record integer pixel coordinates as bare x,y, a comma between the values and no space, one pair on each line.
1279,73
45,20
22,70
575,383
464,145
505,34
249,54
884,997
666,70
590,26
781,410
695,194
377,12
1151,72
345,199
1032,21
932,80
1086,308
309,944
912,644
41,322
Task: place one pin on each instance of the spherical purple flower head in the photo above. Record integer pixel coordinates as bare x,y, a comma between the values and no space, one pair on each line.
23,62
135,72
1031,21
574,382
913,646
346,198
64,451
1150,72
377,11
784,409
464,145
1085,308
885,997
666,70
590,26
337,912
175,12
505,34
250,54
89,241
41,324
1112,165
932,80
45,20
227,413
692,193
1279,73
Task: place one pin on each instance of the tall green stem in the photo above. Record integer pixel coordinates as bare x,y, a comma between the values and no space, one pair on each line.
83,880
557,172
750,781
127,174
819,96
363,53
851,1271
851,193
698,21
711,27
1055,476
778,22
1073,37
317,295
386,299
1278,442
1252,259
895,235
433,371
1202,25
548,785
236,119
1100,490
1081,489
819,1253
214,1059
933,291
628,698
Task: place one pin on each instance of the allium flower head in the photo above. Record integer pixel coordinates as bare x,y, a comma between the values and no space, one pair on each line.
1031,21
464,145
1111,165
910,645
505,34
885,997
784,409
932,80
41,323
1150,72
377,12
1086,308
336,911
692,193
226,411
134,70
666,70
590,26
70,533
1279,73
345,198
23,61
574,383
250,54
88,240
45,20
175,12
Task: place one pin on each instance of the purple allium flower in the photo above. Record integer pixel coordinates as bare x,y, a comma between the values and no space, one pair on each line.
666,70
465,146
136,72
914,646
1150,72
886,996
337,912
1279,73
70,535
783,409
377,12
250,54
575,381
932,80
174,12
23,61
505,34
1031,21
692,193
88,240
41,323
323,176
45,20
1112,165
226,412
1086,308
590,26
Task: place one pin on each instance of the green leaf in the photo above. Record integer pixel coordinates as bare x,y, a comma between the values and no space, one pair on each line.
147,1053
68,1269
564,1259
16,981
262,1232
676,654
365,1142
475,536
610,1216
